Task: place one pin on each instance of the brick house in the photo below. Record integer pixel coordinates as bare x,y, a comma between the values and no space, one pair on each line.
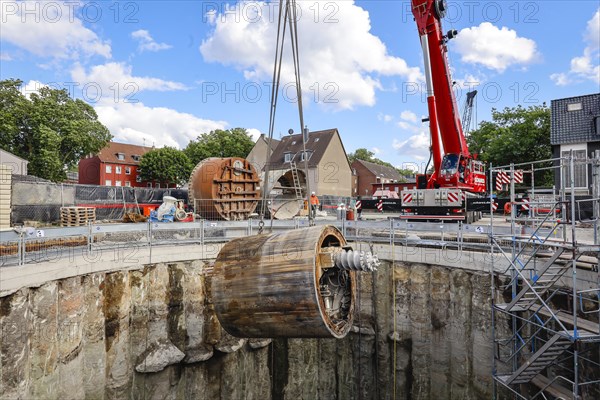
115,165
368,174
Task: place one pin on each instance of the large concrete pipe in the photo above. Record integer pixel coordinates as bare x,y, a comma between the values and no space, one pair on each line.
299,283
224,188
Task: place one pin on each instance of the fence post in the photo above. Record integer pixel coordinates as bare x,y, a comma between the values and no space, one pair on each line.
150,242
21,249
202,231
89,238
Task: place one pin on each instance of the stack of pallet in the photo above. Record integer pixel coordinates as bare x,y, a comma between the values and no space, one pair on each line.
77,216
5,190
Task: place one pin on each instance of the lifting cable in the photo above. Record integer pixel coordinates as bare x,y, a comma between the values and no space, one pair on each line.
273,107
287,13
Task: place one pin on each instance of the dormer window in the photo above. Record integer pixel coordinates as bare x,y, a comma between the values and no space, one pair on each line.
293,143
307,154
316,139
120,156
574,107
135,157
287,157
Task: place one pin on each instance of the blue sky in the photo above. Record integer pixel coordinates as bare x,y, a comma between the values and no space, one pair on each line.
163,72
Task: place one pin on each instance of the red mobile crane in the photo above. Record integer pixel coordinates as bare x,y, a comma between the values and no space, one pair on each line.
456,172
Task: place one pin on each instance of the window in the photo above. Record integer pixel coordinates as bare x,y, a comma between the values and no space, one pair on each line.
580,166
127,184
135,157
138,179
308,154
149,184
120,156
118,183
127,170
157,185
574,107
109,169
287,157
118,170
108,182
316,139
293,143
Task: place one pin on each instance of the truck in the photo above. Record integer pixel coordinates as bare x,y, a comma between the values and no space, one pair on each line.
457,175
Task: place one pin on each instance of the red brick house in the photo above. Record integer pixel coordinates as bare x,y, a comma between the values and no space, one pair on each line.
370,174
115,165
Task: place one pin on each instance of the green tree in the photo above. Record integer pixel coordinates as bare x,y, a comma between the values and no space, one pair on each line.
234,142
515,135
50,130
167,166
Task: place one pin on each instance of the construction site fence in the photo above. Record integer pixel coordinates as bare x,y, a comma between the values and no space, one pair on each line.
26,245
40,201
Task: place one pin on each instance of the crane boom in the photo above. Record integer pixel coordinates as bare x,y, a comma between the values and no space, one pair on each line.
449,147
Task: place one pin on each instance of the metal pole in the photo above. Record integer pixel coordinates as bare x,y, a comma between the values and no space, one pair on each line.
491,243
150,242
514,273
596,193
532,197
563,198
574,269
513,209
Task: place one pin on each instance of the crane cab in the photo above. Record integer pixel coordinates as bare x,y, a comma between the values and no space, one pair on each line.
462,172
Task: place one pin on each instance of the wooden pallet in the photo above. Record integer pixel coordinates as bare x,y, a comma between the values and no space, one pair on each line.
77,216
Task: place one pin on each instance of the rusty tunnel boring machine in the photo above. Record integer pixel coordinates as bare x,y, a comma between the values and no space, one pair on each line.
299,283
224,188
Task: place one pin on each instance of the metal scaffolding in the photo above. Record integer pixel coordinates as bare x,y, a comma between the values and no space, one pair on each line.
545,311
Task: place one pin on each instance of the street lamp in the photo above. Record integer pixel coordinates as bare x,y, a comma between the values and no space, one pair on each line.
381,180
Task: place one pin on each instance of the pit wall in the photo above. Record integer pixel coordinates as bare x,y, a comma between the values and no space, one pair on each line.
151,333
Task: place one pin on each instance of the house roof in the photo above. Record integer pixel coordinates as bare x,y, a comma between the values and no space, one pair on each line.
381,170
317,145
110,153
575,119
274,142
4,154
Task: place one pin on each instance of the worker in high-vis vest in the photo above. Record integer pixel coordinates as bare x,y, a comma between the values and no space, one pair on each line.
314,203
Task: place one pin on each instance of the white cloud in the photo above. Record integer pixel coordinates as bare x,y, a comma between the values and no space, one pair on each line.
587,66
376,150
593,31
408,116
561,79
50,29
117,80
5,57
494,48
254,133
32,87
416,146
341,59
137,123
147,43
384,117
